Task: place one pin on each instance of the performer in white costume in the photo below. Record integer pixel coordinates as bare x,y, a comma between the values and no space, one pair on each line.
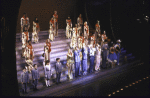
98,57
75,31
93,40
24,23
98,31
47,50
29,55
86,30
104,37
73,43
55,16
36,30
25,38
80,41
68,27
51,30
80,22
70,64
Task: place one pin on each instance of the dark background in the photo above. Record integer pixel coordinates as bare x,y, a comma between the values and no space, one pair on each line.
124,15
124,26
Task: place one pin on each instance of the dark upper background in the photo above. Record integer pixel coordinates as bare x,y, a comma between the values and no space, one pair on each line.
134,35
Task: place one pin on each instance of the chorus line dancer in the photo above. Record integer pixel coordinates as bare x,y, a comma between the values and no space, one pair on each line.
36,29
29,65
80,41
98,57
24,22
29,56
80,22
47,50
68,27
51,30
70,63
74,39
104,37
55,16
30,51
93,40
73,42
75,31
86,30
25,39
97,27
98,32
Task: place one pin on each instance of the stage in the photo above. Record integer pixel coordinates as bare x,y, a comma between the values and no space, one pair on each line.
60,47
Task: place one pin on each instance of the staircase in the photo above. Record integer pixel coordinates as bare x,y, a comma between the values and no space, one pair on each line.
59,48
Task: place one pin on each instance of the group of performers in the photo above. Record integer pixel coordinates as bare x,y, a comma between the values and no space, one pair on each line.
97,49
27,49
81,50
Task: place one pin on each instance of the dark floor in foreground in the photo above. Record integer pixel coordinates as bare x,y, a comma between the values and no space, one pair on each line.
105,82
110,85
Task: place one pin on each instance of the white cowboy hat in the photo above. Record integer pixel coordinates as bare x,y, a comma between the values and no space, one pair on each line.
119,40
